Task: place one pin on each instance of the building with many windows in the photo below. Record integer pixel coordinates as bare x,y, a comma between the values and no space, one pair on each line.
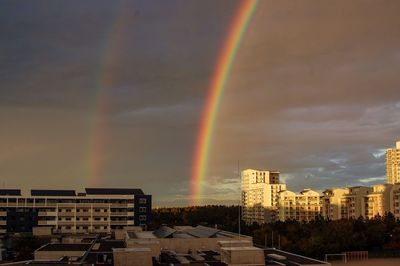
353,202
393,164
260,195
331,203
304,206
378,202
97,210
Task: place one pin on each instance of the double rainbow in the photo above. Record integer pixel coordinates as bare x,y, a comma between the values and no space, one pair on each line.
224,64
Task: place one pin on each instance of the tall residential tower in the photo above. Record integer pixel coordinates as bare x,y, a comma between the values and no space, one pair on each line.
393,164
260,195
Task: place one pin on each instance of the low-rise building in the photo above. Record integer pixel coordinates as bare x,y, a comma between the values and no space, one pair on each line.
97,210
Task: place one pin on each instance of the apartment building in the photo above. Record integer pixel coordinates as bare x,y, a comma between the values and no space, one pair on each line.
97,210
393,164
353,202
395,205
260,195
331,203
304,206
379,201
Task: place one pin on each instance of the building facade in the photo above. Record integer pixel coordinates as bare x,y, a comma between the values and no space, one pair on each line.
304,206
260,195
353,203
393,164
331,203
97,210
379,201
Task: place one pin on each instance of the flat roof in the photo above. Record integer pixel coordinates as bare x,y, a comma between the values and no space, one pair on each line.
65,247
108,245
53,192
114,191
293,258
10,192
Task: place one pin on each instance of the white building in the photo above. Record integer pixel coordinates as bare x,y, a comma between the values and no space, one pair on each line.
304,206
260,195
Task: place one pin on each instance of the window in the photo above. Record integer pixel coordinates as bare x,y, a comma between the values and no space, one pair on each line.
142,201
142,209
142,218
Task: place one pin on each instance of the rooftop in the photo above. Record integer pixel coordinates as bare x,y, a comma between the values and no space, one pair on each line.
114,191
64,247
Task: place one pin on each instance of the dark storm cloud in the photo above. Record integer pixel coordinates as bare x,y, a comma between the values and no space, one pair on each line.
314,92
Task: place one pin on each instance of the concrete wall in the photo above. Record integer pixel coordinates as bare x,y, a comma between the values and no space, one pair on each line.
242,256
55,255
42,231
182,245
153,245
132,257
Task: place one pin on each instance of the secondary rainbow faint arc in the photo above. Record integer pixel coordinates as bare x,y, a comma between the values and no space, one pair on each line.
106,78
217,84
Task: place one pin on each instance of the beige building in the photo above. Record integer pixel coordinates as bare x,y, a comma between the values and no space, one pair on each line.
395,197
393,164
353,203
260,195
379,201
331,203
304,206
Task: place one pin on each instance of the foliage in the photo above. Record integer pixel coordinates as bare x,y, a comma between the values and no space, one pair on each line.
25,244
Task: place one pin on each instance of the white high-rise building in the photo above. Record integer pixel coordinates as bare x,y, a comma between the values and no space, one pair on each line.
260,195
393,164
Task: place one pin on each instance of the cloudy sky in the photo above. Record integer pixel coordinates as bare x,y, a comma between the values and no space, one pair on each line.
314,93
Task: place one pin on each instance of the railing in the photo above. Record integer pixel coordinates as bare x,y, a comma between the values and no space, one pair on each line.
66,214
47,222
100,222
100,214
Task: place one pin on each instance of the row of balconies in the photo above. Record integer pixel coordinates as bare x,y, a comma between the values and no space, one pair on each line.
67,205
85,214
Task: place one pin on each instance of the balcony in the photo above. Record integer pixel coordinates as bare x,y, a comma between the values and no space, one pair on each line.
83,214
120,205
118,213
100,222
66,214
3,222
81,223
47,213
47,222
3,213
101,205
66,223
100,214
66,205
83,205
118,222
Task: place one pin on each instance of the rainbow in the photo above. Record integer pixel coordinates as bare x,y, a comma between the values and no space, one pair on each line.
217,84
107,79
